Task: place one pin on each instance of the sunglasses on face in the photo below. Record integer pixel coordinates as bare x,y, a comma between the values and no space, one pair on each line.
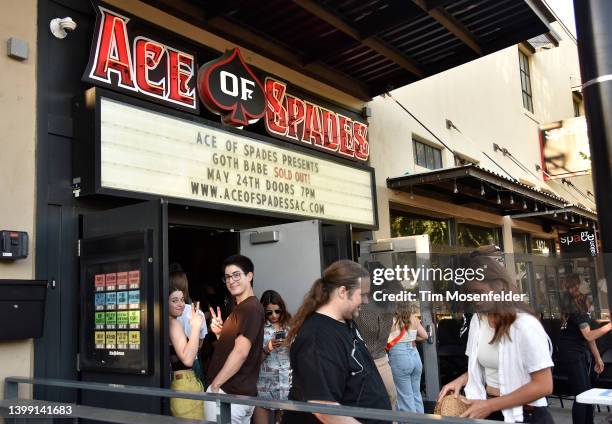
273,311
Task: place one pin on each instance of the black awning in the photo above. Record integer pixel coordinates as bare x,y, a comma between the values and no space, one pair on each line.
478,188
368,48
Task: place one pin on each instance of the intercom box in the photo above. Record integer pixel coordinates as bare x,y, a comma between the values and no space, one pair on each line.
13,245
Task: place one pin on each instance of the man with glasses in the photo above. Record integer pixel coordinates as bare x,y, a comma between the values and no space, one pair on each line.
234,366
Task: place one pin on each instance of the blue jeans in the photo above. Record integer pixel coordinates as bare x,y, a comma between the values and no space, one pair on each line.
406,368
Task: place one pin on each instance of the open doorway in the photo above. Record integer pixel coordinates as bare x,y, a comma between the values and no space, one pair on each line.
200,253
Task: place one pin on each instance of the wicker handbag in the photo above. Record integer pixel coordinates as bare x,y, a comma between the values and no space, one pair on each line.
448,406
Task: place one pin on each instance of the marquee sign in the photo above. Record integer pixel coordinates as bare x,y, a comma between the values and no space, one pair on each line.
228,87
140,65
125,58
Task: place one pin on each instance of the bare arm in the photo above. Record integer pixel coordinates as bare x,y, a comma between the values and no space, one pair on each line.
186,350
454,386
332,419
234,361
541,385
591,335
421,332
599,363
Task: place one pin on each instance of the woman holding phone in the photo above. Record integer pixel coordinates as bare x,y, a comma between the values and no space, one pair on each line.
273,380
183,352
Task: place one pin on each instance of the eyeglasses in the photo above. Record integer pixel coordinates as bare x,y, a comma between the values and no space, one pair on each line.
273,311
234,276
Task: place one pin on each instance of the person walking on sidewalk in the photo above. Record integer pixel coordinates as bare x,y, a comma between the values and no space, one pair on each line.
330,362
404,358
509,354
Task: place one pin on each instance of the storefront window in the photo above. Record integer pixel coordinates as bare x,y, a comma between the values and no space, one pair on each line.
522,277
404,224
475,236
542,247
519,242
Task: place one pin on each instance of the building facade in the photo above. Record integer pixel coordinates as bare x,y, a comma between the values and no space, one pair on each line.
489,115
114,147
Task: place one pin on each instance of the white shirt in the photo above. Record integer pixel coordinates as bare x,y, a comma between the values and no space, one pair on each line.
488,353
184,320
528,350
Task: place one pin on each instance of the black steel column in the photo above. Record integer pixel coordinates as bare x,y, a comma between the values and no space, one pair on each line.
593,23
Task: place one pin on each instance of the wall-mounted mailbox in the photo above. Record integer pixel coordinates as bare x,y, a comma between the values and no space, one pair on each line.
22,308
13,245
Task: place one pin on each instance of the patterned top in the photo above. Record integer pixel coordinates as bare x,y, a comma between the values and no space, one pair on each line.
275,372
374,323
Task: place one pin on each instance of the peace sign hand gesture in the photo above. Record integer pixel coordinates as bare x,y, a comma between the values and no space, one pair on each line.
196,320
216,323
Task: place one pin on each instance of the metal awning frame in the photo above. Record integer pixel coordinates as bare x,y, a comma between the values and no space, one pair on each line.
553,208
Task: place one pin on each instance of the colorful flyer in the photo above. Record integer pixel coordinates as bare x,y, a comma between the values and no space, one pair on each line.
122,340
100,340
122,320
122,300
111,281
134,340
100,301
99,282
111,320
111,301
100,320
134,299
111,339
122,281
134,319
134,279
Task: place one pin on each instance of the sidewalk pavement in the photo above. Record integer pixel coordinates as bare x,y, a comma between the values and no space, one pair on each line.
564,415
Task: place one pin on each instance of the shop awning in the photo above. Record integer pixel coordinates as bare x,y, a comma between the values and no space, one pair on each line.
368,48
479,188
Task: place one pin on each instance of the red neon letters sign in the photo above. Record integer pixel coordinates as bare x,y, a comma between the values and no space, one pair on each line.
146,66
292,118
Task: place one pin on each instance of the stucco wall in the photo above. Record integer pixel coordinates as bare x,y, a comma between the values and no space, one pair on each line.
17,159
483,99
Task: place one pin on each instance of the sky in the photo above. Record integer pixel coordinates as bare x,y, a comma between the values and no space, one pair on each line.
564,9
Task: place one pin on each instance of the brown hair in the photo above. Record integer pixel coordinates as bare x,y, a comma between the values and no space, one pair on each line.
341,273
403,312
497,277
271,297
178,281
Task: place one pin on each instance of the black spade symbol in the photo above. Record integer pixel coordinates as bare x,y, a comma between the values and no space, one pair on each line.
228,87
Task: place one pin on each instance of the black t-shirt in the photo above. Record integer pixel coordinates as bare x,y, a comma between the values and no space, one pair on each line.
571,340
330,362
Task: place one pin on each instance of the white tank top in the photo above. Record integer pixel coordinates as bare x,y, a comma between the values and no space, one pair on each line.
410,335
488,354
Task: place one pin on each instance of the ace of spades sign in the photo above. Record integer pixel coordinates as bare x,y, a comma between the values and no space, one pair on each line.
228,87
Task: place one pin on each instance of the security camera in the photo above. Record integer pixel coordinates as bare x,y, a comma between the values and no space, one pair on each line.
60,27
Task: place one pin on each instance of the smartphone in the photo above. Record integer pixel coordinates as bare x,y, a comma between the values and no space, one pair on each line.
279,335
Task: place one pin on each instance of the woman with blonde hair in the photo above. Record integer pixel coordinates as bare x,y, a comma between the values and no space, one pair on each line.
406,365
509,353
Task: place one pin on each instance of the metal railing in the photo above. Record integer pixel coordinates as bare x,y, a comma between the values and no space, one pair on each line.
224,401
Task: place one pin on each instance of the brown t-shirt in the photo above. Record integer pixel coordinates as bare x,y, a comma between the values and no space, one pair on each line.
247,319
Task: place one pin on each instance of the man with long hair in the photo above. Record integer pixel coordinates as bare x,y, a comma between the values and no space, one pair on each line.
330,361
